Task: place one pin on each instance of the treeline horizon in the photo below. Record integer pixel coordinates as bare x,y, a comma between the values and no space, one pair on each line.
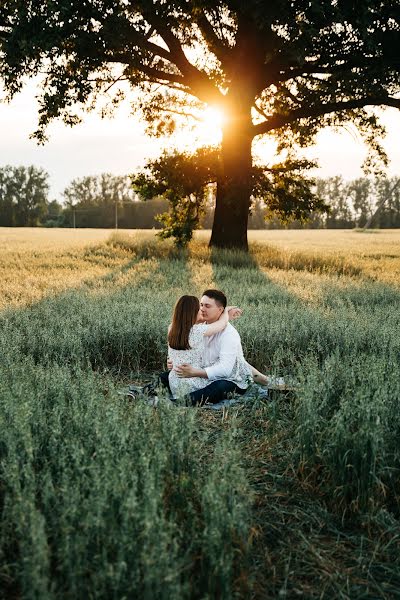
107,201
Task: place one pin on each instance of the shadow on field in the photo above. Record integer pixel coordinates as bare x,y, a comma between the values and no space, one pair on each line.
319,465
310,310
117,321
301,540
266,305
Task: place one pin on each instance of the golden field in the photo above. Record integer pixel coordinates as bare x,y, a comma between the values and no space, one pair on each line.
35,262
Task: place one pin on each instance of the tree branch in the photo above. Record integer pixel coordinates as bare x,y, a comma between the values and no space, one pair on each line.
118,34
159,75
118,79
215,45
260,111
151,47
360,62
181,113
156,74
278,121
198,82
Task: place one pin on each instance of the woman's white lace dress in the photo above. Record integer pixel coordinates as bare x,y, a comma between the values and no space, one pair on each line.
193,356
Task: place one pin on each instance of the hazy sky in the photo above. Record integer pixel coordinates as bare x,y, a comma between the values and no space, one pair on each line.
119,145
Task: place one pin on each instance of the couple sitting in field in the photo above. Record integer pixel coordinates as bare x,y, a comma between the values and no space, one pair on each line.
205,355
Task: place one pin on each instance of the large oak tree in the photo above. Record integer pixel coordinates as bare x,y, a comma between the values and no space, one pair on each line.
188,181
284,68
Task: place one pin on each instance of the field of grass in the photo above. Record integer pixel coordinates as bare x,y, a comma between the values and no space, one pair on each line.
104,498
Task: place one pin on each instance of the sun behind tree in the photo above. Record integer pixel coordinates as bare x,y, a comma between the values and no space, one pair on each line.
212,122
298,66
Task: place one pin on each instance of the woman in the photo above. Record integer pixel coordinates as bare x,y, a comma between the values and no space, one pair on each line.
186,342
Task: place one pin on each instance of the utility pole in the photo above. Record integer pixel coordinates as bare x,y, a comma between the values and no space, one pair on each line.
73,215
116,215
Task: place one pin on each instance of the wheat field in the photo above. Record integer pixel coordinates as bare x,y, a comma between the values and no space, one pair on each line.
297,496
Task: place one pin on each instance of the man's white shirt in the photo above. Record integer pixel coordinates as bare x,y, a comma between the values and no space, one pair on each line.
223,357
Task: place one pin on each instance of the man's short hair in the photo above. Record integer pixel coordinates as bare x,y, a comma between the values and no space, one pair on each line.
218,296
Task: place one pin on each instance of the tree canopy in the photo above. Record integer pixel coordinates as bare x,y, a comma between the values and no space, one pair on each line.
23,195
99,190
189,179
284,68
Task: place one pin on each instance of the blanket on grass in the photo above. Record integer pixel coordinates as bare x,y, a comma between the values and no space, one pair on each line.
253,392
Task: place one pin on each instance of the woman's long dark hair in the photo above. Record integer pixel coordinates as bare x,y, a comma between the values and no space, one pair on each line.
184,317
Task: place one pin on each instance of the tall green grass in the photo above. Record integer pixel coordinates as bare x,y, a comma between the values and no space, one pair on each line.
348,430
104,498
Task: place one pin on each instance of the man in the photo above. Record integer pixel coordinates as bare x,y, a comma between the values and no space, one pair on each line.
223,357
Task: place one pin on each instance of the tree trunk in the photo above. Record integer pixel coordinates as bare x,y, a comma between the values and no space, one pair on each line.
234,185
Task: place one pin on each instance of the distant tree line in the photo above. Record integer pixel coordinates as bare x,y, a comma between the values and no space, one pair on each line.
352,204
23,196
101,201
106,201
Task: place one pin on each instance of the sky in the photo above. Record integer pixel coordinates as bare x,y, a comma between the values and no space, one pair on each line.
120,145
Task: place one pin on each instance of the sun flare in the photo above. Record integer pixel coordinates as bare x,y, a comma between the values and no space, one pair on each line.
207,130
213,118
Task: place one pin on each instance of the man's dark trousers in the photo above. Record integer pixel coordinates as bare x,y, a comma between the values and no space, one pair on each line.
215,392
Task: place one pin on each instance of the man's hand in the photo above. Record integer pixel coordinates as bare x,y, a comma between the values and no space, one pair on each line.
234,312
170,365
186,370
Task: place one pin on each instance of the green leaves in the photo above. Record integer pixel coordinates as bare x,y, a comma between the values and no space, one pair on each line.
23,195
185,180
287,191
